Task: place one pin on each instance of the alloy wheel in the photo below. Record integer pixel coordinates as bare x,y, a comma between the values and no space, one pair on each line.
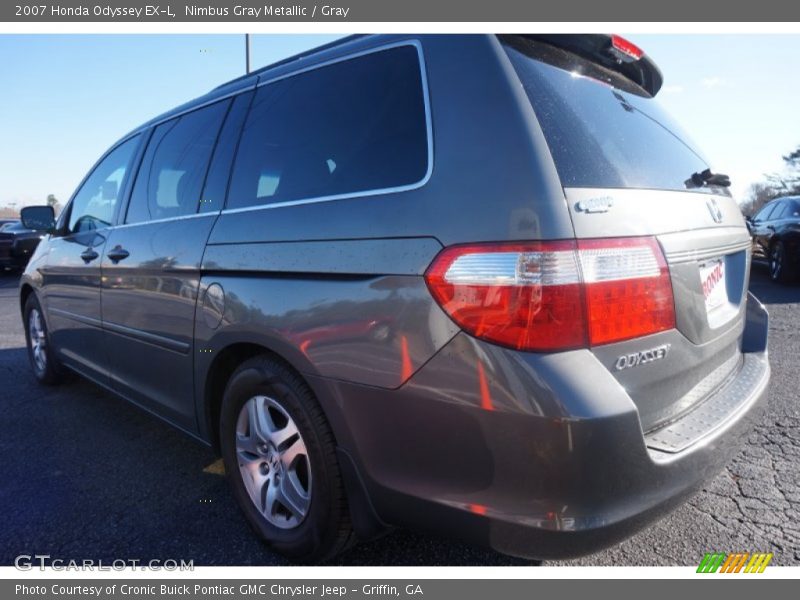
38,340
273,462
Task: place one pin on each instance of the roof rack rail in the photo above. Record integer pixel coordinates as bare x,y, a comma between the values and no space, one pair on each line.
306,53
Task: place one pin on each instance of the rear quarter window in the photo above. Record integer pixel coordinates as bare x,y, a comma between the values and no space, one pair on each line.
354,126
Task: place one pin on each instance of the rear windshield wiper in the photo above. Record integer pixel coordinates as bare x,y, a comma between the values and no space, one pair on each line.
707,178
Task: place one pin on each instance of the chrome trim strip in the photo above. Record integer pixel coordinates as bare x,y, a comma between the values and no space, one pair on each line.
693,255
378,192
167,219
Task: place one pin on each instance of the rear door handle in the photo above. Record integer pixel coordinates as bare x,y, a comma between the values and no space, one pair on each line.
89,255
117,254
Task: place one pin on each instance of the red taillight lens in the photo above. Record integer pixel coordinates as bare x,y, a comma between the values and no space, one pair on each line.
628,289
624,50
525,296
545,296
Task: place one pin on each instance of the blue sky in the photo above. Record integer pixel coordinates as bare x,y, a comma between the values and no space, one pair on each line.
736,95
66,98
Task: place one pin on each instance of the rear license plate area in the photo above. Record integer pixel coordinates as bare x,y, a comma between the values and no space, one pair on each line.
713,284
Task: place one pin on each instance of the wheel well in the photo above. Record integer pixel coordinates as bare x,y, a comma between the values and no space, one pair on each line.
220,371
24,293
366,522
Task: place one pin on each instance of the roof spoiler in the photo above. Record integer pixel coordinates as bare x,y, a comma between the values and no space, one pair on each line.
612,52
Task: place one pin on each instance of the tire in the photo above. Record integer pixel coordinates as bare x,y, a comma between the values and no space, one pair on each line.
290,452
781,269
44,363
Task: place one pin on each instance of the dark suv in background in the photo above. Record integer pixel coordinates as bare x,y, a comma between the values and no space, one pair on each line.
476,285
776,237
17,244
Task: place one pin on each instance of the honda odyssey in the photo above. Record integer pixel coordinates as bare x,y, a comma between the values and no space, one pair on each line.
482,286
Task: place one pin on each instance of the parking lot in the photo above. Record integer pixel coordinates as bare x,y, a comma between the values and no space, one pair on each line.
86,475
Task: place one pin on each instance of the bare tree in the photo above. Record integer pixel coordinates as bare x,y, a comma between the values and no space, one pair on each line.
774,185
53,201
758,194
792,175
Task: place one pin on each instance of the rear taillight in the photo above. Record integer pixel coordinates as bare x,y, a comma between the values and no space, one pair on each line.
628,289
544,296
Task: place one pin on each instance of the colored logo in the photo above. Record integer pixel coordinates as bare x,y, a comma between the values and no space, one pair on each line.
743,562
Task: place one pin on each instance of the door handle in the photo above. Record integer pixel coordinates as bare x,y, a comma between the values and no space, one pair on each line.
117,254
89,255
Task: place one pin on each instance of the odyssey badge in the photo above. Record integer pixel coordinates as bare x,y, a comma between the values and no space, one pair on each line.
626,361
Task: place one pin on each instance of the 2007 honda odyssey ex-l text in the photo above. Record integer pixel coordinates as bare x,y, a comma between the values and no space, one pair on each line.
476,285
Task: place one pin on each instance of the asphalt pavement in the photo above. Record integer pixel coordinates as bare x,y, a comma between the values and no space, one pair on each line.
85,475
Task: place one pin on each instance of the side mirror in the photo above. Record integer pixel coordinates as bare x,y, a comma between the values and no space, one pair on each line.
38,218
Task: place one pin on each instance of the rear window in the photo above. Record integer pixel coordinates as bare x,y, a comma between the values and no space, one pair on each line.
355,126
787,209
602,130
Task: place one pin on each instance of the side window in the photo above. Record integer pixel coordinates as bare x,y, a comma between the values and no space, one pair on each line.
764,213
174,166
353,126
780,212
219,171
94,204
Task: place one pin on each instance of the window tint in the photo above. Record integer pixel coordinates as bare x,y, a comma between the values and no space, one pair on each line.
599,134
174,166
353,126
219,171
93,206
765,212
780,211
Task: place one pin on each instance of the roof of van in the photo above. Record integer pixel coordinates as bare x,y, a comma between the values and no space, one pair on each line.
311,52
242,82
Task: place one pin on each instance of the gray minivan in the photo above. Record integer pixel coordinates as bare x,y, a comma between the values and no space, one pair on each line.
476,285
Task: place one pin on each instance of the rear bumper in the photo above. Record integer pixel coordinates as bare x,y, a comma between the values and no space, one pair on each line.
534,455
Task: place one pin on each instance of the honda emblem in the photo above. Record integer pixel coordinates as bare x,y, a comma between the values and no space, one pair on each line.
714,209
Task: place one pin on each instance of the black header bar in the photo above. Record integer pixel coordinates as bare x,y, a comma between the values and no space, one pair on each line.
359,11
